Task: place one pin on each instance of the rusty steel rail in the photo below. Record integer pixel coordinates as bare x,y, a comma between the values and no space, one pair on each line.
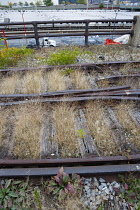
72,92
74,99
82,166
116,77
113,93
87,66
86,33
91,161
81,170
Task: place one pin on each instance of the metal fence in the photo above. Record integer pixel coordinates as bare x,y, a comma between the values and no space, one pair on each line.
86,25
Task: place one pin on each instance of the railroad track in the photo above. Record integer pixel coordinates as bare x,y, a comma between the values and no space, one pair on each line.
101,119
99,66
99,166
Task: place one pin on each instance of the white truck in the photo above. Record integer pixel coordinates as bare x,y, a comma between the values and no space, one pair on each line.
48,42
45,43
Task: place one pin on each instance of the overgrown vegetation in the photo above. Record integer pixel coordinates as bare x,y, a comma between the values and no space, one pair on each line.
99,129
11,56
16,195
131,192
65,130
62,184
66,56
27,131
131,128
62,190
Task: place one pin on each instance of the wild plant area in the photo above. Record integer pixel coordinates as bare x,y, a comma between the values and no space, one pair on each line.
95,128
66,192
92,128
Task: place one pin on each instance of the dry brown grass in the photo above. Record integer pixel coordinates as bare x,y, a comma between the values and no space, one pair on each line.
3,119
99,129
27,131
31,82
66,134
79,80
133,82
132,131
130,68
71,203
56,81
8,84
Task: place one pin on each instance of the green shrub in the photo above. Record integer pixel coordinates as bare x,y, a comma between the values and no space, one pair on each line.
11,56
65,57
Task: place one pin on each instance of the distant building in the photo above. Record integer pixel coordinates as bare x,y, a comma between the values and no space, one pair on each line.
5,2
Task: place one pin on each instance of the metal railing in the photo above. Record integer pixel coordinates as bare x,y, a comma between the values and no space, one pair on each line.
54,24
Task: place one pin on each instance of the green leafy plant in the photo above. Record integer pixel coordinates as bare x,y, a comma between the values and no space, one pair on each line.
66,56
63,57
101,207
37,196
62,184
15,195
81,133
67,71
11,56
131,189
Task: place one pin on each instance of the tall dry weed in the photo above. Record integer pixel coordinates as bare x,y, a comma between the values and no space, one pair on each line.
27,131
65,130
31,82
99,129
56,81
8,84
79,80
4,112
132,130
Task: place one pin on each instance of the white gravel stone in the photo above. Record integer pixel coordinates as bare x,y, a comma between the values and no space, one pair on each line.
94,207
116,185
101,180
98,202
107,191
96,183
2,182
82,199
92,198
111,188
104,188
93,192
86,203
113,183
124,206
114,193
105,198
103,184
88,179
88,195
86,188
100,187
111,197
